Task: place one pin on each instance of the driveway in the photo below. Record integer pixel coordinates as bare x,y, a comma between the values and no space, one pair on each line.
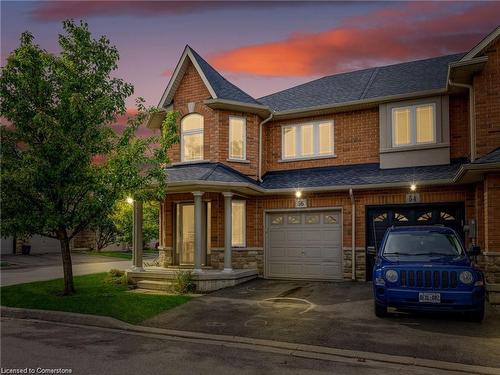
39,267
336,315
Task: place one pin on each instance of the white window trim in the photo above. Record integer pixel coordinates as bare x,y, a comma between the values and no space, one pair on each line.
191,132
298,143
413,125
231,157
244,244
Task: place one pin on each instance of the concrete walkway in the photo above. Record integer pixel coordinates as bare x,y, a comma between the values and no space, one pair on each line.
47,267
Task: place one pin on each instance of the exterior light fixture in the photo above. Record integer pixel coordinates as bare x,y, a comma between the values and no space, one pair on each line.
130,200
413,187
298,194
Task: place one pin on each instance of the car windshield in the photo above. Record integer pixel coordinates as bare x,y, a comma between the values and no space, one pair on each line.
422,243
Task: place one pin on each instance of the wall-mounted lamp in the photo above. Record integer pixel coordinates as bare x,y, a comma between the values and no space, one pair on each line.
413,187
298,194
130,200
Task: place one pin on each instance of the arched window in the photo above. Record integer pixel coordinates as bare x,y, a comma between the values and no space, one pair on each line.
192,137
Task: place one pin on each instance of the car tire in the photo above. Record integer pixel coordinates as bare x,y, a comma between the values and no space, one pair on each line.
380,310
476,316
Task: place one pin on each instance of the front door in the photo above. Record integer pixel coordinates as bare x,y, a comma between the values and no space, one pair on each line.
185,225
185,234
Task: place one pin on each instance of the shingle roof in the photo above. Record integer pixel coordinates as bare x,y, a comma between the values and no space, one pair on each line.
210,172
222,87
398,79
492,157
358,174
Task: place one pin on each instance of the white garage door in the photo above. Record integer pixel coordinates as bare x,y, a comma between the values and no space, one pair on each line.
7,245
304,245
41,244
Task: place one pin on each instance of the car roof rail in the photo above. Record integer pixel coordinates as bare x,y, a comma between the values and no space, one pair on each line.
439,225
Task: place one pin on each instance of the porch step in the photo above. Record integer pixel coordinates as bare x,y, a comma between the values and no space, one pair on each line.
154,285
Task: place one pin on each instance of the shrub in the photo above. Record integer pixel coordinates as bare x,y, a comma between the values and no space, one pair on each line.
117,277
183,282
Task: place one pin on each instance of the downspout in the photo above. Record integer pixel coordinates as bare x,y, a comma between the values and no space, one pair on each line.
260,144
472,117
353,234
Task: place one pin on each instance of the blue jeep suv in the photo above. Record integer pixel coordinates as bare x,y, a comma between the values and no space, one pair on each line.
425,268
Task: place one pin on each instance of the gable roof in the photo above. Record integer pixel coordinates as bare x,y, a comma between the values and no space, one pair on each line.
482,45
399,79
217,85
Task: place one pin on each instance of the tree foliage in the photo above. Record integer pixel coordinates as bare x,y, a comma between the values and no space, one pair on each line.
63,168
122,218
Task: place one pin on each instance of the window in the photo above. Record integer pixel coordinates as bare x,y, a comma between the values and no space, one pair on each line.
330,219
312,219
307,140
277,220
238,223
414,125
237,138
293,219
192,137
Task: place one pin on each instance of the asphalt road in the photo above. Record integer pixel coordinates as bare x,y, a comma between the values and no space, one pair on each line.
85,350
337,315
49,266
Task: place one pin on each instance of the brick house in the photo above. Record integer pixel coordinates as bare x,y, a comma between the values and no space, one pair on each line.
303,182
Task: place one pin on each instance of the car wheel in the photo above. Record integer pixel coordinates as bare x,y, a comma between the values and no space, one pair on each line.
380,310
476,316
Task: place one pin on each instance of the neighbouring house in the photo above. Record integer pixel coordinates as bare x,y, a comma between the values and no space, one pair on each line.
302,183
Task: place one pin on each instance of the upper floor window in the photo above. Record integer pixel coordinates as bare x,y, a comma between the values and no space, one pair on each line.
192,137
414,125
237,138
307,140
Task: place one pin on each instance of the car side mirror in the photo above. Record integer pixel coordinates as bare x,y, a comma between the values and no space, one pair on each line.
370,250
474,250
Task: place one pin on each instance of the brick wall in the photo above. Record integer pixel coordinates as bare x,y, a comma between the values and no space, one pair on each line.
256,206
216,125
459,126
487,102
356,140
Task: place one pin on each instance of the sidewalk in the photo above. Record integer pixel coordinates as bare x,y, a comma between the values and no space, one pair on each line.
82,266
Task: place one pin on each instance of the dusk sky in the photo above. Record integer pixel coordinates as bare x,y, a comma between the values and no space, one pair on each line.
262,47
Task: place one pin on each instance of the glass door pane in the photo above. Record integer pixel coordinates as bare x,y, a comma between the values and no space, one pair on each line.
187,234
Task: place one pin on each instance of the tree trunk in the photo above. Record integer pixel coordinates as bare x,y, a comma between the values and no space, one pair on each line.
67,266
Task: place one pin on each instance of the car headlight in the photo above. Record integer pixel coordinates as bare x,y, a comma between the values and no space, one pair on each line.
466,277
391,276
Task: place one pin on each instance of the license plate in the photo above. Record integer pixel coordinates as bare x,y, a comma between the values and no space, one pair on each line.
429,297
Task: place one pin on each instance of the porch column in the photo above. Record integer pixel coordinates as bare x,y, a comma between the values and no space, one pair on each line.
228,230
198,230
137,237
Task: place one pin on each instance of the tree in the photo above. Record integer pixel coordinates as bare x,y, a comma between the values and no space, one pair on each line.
62,167
122,219
105,233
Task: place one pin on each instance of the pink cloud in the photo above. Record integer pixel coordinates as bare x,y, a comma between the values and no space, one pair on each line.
410,31
59,10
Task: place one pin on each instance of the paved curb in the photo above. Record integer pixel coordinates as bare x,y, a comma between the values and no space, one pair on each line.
297,350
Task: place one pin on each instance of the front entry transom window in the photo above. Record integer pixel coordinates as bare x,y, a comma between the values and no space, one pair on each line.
192,137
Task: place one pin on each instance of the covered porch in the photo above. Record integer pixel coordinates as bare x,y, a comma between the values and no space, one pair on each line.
187,232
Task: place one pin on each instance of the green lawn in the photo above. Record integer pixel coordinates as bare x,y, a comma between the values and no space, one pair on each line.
94,295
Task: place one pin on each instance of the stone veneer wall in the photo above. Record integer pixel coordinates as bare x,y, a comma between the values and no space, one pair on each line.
360,263
490,265
251,258
165,256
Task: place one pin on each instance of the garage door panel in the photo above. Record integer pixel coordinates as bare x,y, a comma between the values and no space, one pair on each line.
305,245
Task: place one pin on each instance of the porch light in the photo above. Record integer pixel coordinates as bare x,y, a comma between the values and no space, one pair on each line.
413,187
130,200
298,193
